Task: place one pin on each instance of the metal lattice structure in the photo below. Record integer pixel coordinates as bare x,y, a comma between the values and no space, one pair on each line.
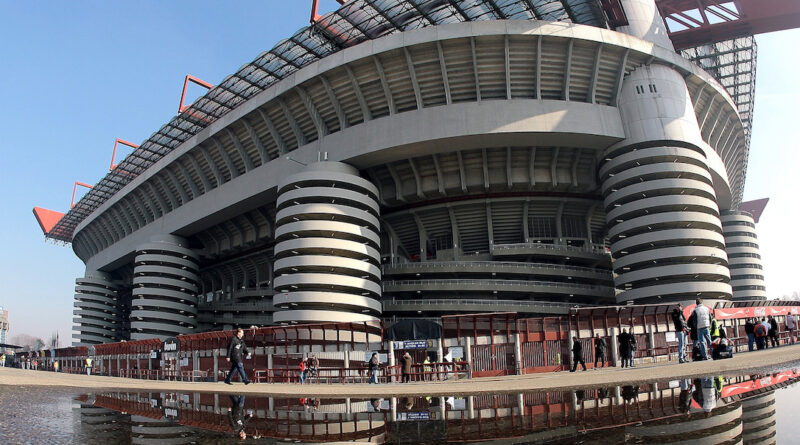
353,23
733,63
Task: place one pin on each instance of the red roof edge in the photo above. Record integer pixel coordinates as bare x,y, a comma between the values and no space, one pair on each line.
755,207
47,219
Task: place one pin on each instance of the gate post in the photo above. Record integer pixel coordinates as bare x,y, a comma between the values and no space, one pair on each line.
517,354
468,354
614,347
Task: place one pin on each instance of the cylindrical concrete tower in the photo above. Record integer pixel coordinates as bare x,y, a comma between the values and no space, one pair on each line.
661,209
165,286
97,318
661,205
759,419
327,251
741,243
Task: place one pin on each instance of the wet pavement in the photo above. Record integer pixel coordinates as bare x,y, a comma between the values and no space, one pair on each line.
700,410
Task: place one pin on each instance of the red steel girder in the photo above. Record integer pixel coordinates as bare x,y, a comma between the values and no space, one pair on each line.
749,17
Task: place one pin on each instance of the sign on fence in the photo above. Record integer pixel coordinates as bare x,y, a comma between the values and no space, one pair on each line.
413,344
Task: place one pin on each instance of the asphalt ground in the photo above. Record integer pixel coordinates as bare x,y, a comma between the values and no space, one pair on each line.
773,359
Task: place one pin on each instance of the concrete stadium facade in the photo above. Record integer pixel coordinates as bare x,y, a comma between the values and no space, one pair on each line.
501,165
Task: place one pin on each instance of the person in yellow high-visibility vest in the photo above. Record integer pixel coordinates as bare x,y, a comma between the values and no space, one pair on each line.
88,366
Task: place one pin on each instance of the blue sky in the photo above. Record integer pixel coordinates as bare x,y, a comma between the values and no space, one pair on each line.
77,75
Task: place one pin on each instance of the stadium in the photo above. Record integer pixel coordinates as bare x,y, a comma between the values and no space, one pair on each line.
418,158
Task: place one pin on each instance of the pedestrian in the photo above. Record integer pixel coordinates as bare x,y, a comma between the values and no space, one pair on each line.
88,366
426,368
236,352
680,327
761,330
632,350
599,350
768,327
238,417
3,360
406,370
624,347
749,329
773,332
312,366
55,366
374,366
791,325
302,371
577,355
700,321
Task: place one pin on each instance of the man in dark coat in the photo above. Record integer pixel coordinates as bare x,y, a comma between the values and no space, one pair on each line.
577,355
773,332
236,352
679,324
624,341
750,330
599,350
238,417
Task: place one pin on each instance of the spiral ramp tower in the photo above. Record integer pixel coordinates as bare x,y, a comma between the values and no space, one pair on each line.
759,419
97,315
327,251
165,287
660,199
744,258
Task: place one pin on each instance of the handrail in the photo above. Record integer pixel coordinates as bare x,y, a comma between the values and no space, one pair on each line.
595,249
461,301
442,264
496,282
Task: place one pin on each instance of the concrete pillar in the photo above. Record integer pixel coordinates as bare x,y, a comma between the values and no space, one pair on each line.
651,339
614,347
443,408
439,351
521,403
468,354
470,407
655,391
215,354
618,395
394,409
645,22
347,359
391,364
518,353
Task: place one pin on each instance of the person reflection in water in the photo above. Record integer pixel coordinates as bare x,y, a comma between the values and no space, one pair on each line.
238,416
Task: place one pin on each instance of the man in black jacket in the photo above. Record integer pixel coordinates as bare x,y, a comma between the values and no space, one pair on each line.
236,351
624,340
238,417
679,323
750,330
773,331
577,355
599,350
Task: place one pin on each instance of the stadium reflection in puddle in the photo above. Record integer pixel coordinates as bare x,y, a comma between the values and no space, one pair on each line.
708,410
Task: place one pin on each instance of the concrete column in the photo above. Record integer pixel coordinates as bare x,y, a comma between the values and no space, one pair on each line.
215,354
391,364
521,403
394,408
645,22
347,358
470,407
443,408
614,347
468,354
651,338
618,395
518,354
439,351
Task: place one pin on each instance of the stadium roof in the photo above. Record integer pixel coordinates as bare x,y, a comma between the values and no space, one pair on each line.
353,23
